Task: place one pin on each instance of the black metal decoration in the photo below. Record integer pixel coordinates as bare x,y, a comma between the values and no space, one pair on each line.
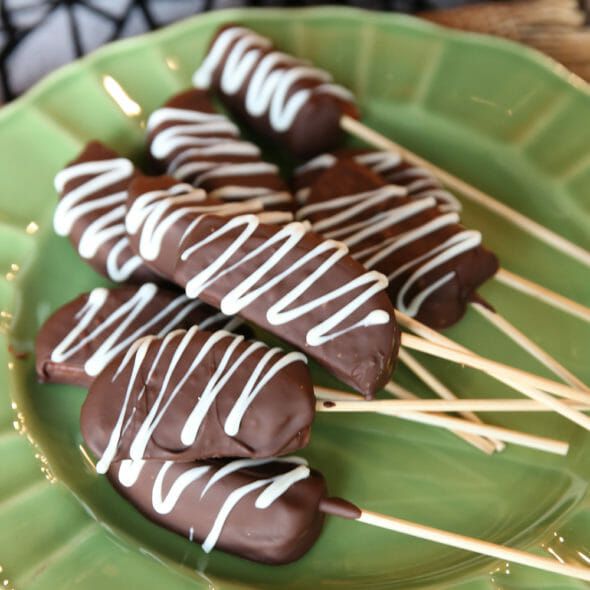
36,36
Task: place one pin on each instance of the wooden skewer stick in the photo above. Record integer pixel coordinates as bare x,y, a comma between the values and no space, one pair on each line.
533,228
483,444
357,404
527,344
543,294
538,443
491,367
439,388
479,442
509,554
534,393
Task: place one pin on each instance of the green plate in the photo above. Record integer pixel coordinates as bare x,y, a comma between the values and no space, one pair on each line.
503,117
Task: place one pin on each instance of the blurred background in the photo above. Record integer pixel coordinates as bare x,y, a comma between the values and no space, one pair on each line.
37,36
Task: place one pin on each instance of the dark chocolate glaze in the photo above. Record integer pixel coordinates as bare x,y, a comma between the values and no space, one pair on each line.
341,508
126,314
477,298
419,182
362,357
468,270
316,127
277,534
165,381
210,154
95,151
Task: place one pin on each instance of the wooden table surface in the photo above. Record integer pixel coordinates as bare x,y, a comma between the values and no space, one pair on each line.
559,28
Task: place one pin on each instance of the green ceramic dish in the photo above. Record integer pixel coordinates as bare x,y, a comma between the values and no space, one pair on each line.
503,117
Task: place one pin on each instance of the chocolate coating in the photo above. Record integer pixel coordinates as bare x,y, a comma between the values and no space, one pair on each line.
197,395
392,168
98,230
192,142
104,322
277,534
341,508
434,264
262,85
320,282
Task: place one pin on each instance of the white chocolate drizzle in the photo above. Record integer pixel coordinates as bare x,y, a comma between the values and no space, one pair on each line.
419,182
231,363
201,136
86,332
345,219
269,77
156,212
271,488
109,225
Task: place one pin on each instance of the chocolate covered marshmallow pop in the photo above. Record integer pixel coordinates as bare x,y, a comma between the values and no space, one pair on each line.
91,212
194,143
272,510
266,510
287,280
279,96
198,395
433,264
77,341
